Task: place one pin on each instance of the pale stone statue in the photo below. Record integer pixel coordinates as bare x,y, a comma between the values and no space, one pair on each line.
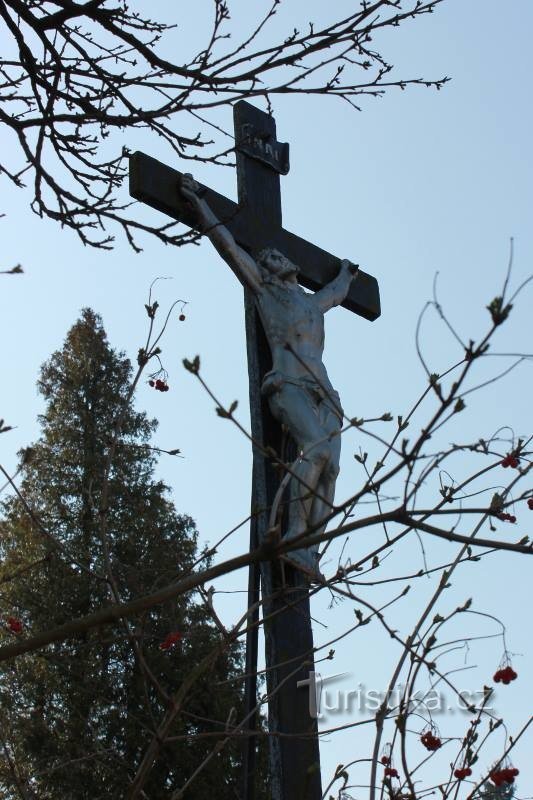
299,391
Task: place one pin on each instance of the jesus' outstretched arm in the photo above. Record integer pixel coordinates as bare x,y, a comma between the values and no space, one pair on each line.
241,263
334,292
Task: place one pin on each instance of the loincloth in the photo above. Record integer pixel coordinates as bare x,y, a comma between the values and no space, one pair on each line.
274,381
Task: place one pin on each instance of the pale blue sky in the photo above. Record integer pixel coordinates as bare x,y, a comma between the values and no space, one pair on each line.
419,182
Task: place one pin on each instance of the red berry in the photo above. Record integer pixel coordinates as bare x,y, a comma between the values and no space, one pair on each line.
510,460
462,772
506,517
505,675
171,639
151,383
530,503
385,760
495,778
14,624
508,774
391,772
430,741
505,775
181,317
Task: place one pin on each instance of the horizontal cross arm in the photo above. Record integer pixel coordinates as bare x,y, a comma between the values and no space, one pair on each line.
156,184
318,267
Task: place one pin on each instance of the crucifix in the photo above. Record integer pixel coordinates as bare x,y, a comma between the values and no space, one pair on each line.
288,385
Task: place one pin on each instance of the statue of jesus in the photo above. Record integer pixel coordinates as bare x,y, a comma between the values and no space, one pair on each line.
298,388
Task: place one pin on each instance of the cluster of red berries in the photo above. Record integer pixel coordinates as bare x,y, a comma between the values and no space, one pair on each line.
510,460
14,625
390,772
430,742
462,772
161,386
530,503
506,517
505,675
505,775
171,639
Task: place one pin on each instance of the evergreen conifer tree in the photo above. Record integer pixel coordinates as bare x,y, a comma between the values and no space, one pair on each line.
491,792
78,716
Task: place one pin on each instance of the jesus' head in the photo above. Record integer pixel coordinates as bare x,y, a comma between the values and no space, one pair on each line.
277,264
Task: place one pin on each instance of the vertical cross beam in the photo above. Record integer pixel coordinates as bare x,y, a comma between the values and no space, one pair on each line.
294,759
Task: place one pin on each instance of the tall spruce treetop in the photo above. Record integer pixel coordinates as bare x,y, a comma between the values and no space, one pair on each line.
81,715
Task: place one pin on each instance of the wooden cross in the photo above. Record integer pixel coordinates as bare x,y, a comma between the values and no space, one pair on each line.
255,222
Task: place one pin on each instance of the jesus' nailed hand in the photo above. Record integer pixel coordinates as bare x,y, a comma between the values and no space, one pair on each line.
298,388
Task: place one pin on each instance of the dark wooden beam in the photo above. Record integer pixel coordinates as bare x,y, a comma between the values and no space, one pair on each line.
294,757
155,184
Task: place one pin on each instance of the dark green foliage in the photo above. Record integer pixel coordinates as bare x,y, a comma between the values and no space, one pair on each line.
77,717
490,792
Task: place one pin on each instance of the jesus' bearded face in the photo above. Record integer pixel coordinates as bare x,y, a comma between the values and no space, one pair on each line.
277,264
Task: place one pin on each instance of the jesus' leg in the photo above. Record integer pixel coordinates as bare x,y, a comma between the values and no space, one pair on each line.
331,425
293,406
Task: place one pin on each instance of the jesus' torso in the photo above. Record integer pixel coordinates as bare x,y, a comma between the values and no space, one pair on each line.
291,316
